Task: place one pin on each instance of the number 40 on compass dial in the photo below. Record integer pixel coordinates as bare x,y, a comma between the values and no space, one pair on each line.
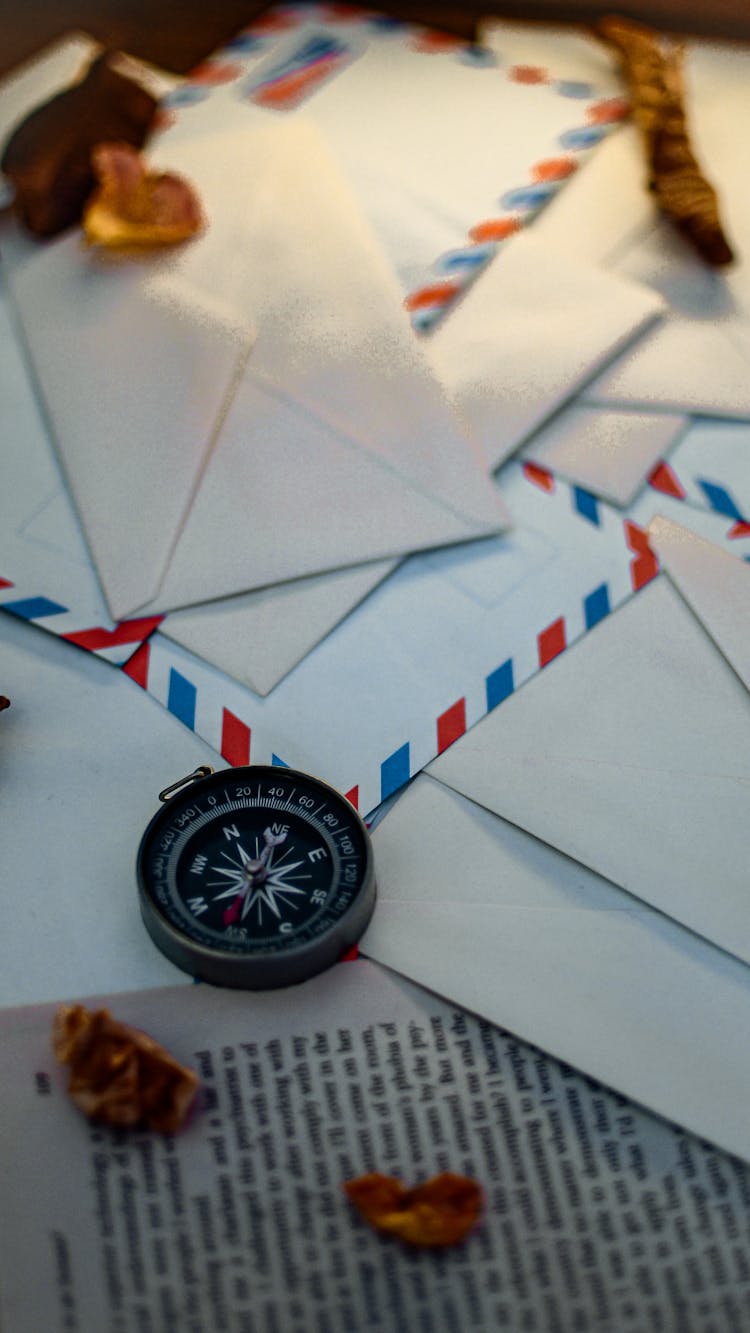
255,877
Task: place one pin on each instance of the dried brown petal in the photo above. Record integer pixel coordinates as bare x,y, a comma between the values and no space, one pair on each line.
4,702
48,157
134,207
655,79
120,1075
440,1212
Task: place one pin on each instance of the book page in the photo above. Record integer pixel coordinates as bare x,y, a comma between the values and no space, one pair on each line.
597,1215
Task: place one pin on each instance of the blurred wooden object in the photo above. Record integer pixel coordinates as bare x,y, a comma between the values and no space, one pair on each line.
177,34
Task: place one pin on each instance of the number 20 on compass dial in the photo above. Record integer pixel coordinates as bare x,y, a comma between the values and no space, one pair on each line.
255,877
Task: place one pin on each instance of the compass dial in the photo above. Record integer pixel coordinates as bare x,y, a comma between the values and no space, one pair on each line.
255,877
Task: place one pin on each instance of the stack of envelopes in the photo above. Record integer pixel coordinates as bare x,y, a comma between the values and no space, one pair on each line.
576,868
254,439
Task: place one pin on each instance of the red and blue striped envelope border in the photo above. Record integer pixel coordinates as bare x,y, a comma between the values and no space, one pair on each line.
368,729
341,34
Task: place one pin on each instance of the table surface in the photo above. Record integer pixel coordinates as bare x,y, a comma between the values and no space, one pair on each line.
177,34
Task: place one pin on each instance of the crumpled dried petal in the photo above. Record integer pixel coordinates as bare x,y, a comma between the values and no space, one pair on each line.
439,1212
120,1075
135,207
654,75
47,158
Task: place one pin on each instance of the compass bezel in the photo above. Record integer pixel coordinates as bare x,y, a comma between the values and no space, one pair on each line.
330,930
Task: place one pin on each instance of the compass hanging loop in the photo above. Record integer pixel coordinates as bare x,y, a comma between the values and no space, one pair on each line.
202,771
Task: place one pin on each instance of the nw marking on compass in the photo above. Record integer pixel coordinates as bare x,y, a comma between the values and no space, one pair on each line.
258,881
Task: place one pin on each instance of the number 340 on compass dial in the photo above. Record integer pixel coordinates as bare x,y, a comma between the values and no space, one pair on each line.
255,877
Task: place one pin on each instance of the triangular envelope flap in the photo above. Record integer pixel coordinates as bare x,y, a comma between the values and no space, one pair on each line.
608,452
257,637
698,359
289,246
631,753
527,335
683,365
284,496
715,585
625,995
134,387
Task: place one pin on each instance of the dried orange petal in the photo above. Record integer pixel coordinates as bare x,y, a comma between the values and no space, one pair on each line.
118,1074
439,1212
135,207
683,193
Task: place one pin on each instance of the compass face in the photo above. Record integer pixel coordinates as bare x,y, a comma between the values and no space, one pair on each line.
255,877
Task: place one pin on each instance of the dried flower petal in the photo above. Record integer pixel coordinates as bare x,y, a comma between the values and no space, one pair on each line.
4,702
656,86
440,1212
135,207
47,158
118,1074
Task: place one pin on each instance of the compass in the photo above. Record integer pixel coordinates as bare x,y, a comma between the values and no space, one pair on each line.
255,877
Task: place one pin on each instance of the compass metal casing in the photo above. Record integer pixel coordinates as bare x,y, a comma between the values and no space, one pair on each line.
255,877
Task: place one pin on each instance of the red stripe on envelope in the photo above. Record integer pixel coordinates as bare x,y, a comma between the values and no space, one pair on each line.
539,476
645,564
451,724
353,797
6,583
137,666
435,294
284,93
551,641
235,739
739,529
663,479
128,631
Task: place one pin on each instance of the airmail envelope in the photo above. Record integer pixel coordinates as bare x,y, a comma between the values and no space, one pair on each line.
631,754
698,358
488,916
254,407
648,783
528,335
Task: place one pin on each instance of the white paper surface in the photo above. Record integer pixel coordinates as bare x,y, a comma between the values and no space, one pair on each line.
527,336
257,637
698,360
83,756
489,916
715,585
630,754
595,1212
610,453
335,384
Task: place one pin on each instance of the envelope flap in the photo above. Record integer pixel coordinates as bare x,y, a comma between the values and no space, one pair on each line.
629,997
527,335
288,244
134,387
715,585
631,753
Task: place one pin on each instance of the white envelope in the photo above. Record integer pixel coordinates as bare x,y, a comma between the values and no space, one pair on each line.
83,756
631,754
197,476
491,918
715,585
603,450
698,358
258,637
527,336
